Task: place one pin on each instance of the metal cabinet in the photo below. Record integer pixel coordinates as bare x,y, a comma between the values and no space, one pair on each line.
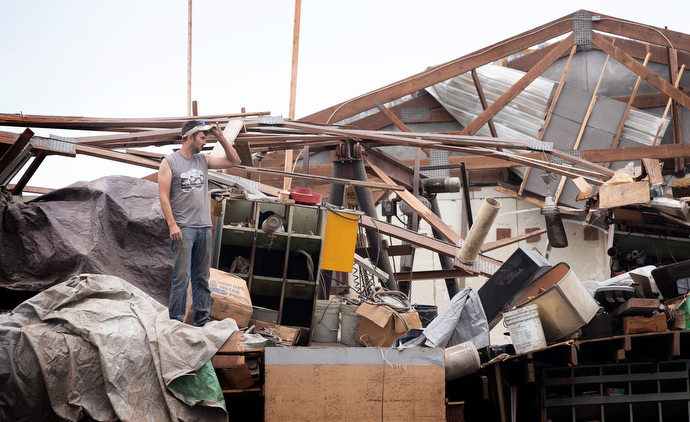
281,268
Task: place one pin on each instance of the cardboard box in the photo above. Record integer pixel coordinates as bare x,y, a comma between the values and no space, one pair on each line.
287,334
612,196
229,299
678,313
380,326
237,378
642,324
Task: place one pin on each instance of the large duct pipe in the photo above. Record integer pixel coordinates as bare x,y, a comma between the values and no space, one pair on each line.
335,197
366,202
336,190
446,262
475,238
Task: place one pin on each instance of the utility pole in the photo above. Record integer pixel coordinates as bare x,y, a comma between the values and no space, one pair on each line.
189,60
293,87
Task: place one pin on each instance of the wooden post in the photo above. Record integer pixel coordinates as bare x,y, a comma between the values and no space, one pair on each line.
668,105
189,60
293,87
679,162
627,109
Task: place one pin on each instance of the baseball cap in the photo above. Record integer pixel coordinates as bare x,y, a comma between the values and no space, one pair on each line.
199,126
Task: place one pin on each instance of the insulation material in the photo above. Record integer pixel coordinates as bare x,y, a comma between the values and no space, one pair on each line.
97,346
113,225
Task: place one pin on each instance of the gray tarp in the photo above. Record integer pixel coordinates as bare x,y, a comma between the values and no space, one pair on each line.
95,346
463,319
113,225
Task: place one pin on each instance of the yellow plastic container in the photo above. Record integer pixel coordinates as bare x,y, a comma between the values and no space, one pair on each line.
340,240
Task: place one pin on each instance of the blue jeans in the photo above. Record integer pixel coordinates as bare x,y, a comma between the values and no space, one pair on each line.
192,260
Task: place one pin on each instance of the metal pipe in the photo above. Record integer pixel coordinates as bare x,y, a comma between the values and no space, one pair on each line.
475,238
452,284
335,197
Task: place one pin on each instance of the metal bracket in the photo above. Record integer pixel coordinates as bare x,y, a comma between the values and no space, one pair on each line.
271,120
582,29
535,145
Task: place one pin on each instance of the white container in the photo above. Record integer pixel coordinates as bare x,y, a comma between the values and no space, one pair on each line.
348,325
460,360
525,329
326,321
564,303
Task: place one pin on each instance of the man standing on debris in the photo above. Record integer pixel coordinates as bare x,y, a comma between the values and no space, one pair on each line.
183,191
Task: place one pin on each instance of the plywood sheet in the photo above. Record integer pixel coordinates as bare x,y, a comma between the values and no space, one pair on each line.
354,384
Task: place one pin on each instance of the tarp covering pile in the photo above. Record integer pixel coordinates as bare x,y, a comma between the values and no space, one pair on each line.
113,225
463,319
96,347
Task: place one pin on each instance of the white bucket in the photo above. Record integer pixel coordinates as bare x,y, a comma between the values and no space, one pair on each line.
460,360
349,324
326,321
525,329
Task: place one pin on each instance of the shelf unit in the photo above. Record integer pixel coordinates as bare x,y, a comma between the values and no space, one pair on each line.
642,391
278,273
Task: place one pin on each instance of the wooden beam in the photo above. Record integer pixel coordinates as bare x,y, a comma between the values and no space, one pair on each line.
434,221
24,180
408,236
430,275
482,101
636,67
641,32
675,75
419,240
518,87
398,170
392,186
117,156
490,246
628,107
113,124
649,100
16,148
559,190
636,49
550,111
378,121
444,71
287,182
663,116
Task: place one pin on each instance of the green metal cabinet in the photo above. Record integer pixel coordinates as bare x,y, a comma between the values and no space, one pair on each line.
281,268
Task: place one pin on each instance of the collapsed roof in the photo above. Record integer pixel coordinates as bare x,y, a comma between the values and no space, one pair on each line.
586,115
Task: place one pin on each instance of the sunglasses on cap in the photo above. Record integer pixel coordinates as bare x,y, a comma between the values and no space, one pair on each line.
203,127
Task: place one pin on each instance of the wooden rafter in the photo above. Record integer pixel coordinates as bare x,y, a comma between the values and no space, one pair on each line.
637,31
518,87
442,72
636,49
646,74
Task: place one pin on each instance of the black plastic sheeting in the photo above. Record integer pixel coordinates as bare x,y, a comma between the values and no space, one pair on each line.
113,225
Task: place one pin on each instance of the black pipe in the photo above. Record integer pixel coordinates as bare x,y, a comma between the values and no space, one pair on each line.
335,197
366,203
452,284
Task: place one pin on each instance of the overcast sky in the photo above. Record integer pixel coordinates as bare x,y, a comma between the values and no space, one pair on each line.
128,58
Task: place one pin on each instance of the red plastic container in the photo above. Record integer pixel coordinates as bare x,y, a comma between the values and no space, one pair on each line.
305,196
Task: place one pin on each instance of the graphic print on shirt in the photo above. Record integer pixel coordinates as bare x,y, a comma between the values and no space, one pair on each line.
192,179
